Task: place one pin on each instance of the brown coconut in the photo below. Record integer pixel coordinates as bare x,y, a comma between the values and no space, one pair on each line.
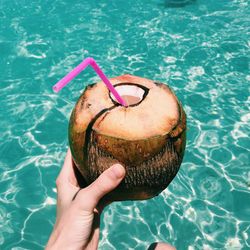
147,137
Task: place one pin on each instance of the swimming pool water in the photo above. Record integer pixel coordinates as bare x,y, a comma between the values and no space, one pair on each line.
200,48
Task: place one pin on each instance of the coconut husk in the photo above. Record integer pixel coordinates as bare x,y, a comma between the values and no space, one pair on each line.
147,137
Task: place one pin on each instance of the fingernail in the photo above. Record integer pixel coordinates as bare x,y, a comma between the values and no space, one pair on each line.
118,170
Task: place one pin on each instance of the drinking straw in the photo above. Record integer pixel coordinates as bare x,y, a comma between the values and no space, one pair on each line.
78,69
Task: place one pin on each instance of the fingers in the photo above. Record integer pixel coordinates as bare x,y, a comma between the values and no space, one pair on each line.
88,198
67,171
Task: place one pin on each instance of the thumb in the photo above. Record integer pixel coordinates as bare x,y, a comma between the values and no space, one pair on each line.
88,198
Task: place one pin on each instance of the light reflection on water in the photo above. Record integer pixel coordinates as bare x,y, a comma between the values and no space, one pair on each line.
200,49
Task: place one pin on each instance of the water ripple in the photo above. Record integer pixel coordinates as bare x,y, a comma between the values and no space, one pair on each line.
200,49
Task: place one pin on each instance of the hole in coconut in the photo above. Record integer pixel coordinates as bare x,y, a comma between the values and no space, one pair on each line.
131,94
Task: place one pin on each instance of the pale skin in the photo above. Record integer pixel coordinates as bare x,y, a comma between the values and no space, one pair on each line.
77,224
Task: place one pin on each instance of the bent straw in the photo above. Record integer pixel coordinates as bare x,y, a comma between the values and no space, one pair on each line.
78,69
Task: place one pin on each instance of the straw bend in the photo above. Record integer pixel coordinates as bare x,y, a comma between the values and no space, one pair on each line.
78,69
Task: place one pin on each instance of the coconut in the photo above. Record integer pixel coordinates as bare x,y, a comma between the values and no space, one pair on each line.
147,137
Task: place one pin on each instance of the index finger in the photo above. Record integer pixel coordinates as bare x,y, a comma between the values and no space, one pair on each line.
67,171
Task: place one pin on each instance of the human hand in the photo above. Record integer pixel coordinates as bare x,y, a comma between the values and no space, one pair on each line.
78,210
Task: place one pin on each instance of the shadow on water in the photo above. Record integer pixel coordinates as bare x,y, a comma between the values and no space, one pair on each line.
178,3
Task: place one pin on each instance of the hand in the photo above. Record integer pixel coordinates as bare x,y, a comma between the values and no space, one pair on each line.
78,210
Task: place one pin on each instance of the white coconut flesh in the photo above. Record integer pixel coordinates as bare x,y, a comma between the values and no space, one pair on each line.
155,114
131,94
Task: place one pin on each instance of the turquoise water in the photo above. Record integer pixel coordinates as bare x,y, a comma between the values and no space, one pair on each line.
200,48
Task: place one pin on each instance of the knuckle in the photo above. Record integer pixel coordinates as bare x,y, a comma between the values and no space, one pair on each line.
110,177
58,182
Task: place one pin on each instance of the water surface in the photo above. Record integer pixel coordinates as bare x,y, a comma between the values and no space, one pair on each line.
200,48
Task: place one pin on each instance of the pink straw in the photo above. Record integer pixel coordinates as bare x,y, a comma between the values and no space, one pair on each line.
78,69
